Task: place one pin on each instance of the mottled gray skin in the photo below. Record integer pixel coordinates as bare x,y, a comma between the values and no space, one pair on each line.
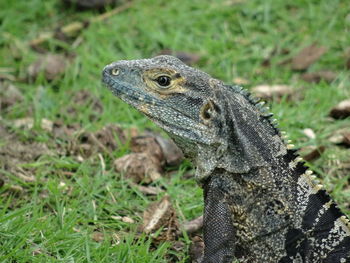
260,202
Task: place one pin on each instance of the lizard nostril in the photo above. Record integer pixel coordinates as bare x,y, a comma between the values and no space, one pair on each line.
115,71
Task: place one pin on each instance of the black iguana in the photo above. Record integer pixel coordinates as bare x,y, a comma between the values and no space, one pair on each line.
261,202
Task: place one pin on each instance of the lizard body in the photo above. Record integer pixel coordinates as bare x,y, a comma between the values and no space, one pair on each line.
260,201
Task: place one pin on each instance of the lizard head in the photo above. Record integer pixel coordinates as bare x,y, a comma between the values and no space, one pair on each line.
170,93
215,125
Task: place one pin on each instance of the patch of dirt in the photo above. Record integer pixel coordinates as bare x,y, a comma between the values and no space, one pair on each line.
86,144
307,56
84,98
14,153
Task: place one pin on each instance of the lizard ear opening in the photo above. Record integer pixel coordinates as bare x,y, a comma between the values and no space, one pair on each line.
209,110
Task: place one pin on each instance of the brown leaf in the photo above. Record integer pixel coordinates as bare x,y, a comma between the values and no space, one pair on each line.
139,167
348,63
156,145
87,99
272,91
316,77
50,64
159,215
307,56
15,152
146,143
311,153
185,57
196,249
341,111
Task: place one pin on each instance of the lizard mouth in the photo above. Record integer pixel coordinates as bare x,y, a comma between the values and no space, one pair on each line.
128,93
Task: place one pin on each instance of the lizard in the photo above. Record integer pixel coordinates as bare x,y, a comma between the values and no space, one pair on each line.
261,202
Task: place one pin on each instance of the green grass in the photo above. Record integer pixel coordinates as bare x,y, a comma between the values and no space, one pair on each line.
55,218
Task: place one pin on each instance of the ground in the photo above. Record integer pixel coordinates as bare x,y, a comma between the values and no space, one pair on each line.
61,199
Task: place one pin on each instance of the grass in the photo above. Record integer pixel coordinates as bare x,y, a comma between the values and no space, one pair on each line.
56,217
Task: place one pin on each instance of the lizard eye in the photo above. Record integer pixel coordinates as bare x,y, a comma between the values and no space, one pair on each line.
115,71
163,81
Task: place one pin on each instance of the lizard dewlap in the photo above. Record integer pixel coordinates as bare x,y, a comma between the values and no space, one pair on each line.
261,202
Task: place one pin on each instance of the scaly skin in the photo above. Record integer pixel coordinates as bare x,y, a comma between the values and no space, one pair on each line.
261,204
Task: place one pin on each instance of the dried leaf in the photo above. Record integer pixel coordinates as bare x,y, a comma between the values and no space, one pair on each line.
148,144
272,91
159,215
50,64
341,111
307,56
316,77
185,57
311,153
139,167
85,98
